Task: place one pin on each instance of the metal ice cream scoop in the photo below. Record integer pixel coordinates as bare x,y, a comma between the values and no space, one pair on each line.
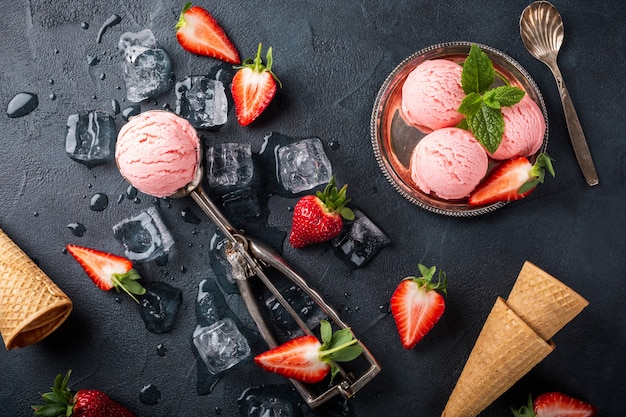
541,28
249,258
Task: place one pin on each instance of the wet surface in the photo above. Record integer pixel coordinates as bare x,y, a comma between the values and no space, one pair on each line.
332,58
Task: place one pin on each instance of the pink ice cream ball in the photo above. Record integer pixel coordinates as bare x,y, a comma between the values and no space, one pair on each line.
448,162
431,95
524,129
158,152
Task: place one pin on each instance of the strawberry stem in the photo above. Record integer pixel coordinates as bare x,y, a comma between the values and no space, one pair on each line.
334,349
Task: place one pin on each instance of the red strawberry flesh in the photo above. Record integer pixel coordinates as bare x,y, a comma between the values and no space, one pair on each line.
198,32
100,266
298,359
555,404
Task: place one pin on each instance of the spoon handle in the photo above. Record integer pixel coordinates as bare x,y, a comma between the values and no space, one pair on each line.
577,136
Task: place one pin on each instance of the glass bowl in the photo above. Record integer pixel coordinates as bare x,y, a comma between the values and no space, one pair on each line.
393,139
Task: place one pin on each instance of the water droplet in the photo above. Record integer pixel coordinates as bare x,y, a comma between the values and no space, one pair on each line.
189,216
131,111
161,349
183,270
36,214
77,229
384,308
334,144
99,202
111,21
92,60
116,106
22,104
52,96
150,395
120,198
103,76
347,295
131,192
50,81
84,25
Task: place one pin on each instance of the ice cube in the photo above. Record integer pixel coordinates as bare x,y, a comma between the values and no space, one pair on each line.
270,401
359,241
303,165
159,306
241,204
147,68
90,137
220,345
202,101
208,308
302,304
144,236
229,165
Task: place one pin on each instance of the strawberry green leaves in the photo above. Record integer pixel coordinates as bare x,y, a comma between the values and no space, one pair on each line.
481,105
340,346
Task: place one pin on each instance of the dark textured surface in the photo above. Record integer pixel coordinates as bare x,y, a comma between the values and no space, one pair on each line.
332,58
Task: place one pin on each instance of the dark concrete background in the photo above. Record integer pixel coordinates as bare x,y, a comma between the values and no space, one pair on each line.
332,58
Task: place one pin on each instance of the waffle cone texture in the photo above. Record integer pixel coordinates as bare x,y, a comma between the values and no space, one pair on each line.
31,305
513,340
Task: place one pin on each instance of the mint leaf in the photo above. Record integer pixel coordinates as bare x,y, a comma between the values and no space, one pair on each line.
487,125
478,73
505,96
470,104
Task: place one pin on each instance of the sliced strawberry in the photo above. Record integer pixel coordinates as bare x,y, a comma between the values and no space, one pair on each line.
306,359
416,305
108,271
198,32
556,404
318,218
253,87
512,180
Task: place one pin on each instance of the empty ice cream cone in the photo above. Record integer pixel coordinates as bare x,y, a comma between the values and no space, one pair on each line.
544,302
31,305
506,349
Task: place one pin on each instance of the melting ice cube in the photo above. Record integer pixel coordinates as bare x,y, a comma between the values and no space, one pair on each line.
147,68
230,165
209,303
144,236
90,137
270,401
303,165
302,304
220,345
359,241
202,101
159,306
241,204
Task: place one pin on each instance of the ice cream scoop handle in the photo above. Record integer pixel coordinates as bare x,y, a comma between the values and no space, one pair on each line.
210,209
577,136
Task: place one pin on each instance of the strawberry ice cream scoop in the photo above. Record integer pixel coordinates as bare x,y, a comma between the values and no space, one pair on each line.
158,152
524,128
448,162
431,95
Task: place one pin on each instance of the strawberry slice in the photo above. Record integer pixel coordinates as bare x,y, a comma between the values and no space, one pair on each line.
306,359
319,218
108,271
416,305
198,32
512,180
556,404
253,87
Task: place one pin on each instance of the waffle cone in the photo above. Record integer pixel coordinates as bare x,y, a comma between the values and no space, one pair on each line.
544,302
31,305
506,349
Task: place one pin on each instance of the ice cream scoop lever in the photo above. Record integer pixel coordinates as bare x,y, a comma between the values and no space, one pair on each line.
541,28
250,258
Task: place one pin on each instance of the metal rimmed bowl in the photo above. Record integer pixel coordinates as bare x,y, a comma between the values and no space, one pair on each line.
393,139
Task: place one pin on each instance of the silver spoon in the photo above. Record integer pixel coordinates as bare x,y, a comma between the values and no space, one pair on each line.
541,28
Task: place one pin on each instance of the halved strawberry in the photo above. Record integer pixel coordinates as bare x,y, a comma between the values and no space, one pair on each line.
108,271
253,87
198,32
318,218
306,359
416,305
512,180
556,404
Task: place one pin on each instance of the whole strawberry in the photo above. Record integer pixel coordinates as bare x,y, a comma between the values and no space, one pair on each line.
85,403
417,304
319,218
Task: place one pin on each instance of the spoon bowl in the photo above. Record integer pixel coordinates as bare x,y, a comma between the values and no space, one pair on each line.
541,29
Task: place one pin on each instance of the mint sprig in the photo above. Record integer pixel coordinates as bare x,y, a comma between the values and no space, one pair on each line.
482,105
340,346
